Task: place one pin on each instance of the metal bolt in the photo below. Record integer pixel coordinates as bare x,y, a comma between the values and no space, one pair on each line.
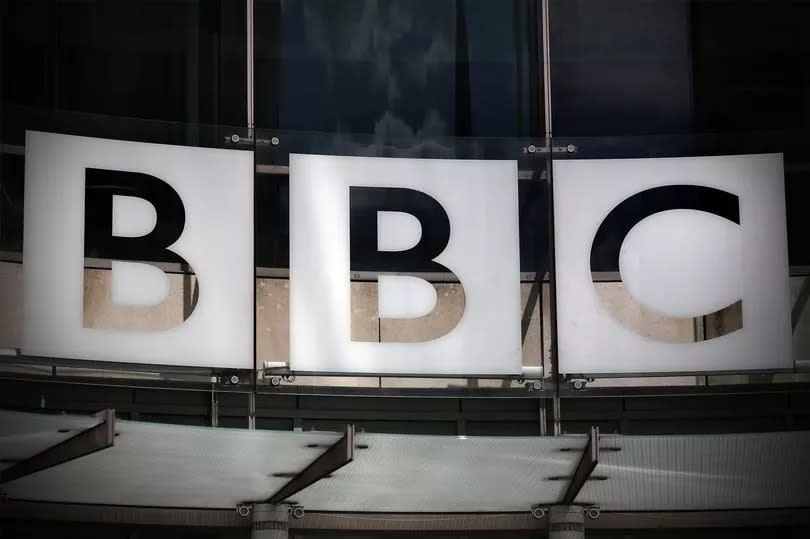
274,141
234,138
243,510
593,512
234,379
539,512
571,148
532,148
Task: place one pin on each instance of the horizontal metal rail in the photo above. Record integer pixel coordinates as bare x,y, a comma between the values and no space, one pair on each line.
388,522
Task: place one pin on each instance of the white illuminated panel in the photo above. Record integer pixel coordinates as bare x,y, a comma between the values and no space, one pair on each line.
676,263
480,199
216,189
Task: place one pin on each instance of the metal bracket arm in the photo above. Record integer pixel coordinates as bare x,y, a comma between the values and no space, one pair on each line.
87,441
338,455
589,460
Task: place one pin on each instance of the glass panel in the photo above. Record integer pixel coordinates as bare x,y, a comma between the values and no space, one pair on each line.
632,67
167,463
712,471
634,473
159,465
629,79
178,61
399,67
511,474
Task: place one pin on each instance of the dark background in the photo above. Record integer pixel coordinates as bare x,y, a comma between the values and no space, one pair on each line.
629,78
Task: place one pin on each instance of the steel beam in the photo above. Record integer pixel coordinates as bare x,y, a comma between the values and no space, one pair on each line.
798,516
87,441
589,460
122,514
801,303
380,523
389,522
338,455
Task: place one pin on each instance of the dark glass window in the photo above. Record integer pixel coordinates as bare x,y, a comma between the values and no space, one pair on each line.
404,68
721,77
165,60
633,67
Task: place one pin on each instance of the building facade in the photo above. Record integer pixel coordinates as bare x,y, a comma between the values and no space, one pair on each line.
693,332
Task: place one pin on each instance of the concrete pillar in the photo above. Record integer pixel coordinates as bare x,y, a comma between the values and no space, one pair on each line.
566,522
269,521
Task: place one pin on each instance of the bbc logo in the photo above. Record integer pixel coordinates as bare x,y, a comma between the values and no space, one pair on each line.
394,220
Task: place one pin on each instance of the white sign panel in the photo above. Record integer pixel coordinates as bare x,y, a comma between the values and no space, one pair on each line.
194,205
691,236
452,216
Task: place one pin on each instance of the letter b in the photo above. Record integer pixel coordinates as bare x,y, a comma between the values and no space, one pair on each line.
402,223
137,205
395,236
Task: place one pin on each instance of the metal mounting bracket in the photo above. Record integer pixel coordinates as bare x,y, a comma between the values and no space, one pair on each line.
589,460
338,455
88,441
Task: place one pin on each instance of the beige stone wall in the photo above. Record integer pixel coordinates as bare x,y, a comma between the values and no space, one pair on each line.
99,313
645,322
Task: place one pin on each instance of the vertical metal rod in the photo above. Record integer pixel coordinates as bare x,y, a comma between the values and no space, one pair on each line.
252,410
541,409
251,124
546,41
250,60
214,408
556,415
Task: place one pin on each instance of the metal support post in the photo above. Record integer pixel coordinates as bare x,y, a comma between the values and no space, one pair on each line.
214,408
269,521
338,455
566,522
252,410
589,460
555,411
250,61
546,49
83,443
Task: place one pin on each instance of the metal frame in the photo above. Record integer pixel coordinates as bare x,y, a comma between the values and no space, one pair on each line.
88,441
338,455
586,465
801,304
547,391
503,522
250,62
247,374
397,522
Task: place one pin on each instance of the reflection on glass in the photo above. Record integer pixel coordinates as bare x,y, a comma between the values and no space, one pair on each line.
399,68
179,61
631,67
